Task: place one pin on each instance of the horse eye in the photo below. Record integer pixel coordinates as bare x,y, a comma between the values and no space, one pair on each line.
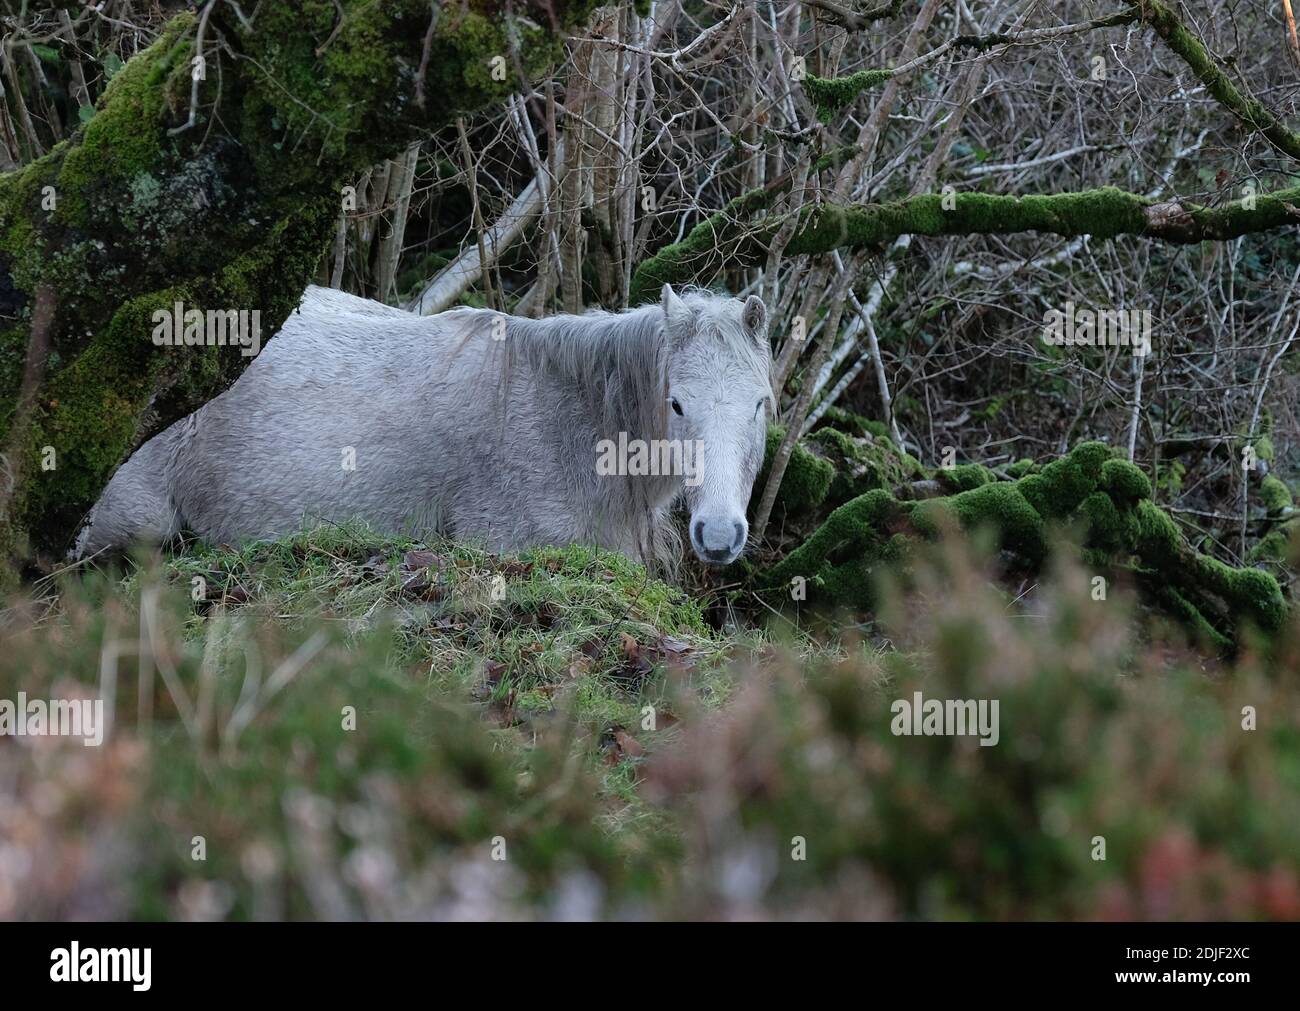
676,406
761,402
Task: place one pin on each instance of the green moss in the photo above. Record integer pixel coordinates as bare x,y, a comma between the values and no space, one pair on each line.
965,476
839,557
1004,508
89,416
1275,495
1280,546
123,141
1107,530
1257,592
700,253
862,463
1189,615
1109,495
1251,591
1249,110
1245,592
831,94
854,424
1158,539
1104,213
806,482
1056,491
1124,481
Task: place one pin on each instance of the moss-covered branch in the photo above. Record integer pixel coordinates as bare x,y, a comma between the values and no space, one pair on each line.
831,94
1102,213
726,238
141,210
731,223
856,20
1183,41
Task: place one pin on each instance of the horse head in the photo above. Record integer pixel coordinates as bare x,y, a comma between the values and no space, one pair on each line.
719,398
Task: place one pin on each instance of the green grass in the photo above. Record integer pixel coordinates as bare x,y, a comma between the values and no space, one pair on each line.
549,621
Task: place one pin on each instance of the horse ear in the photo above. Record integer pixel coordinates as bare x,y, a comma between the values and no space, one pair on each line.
755,318
675,311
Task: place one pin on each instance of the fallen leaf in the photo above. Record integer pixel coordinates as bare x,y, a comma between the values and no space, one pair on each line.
413,561
374,567
618,744
418,586
677,652
629,744
636,665
545,616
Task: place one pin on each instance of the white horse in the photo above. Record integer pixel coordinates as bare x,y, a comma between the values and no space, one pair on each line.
472,424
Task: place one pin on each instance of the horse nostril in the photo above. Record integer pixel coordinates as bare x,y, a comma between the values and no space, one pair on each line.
740,535
698,531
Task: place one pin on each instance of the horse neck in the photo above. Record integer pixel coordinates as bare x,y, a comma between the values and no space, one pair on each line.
612,365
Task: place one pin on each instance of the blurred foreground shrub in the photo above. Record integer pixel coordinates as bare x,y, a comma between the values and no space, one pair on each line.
274,761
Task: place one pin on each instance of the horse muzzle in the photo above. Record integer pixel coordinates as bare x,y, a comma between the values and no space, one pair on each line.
718,540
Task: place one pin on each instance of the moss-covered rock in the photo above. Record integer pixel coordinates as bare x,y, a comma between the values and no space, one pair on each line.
1022,468
1108,497
806,482
965,477
1275,495
863,463
1124,481
853,424
1280,546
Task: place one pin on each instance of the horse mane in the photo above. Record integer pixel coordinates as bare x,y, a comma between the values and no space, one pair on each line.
625,355
618,362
